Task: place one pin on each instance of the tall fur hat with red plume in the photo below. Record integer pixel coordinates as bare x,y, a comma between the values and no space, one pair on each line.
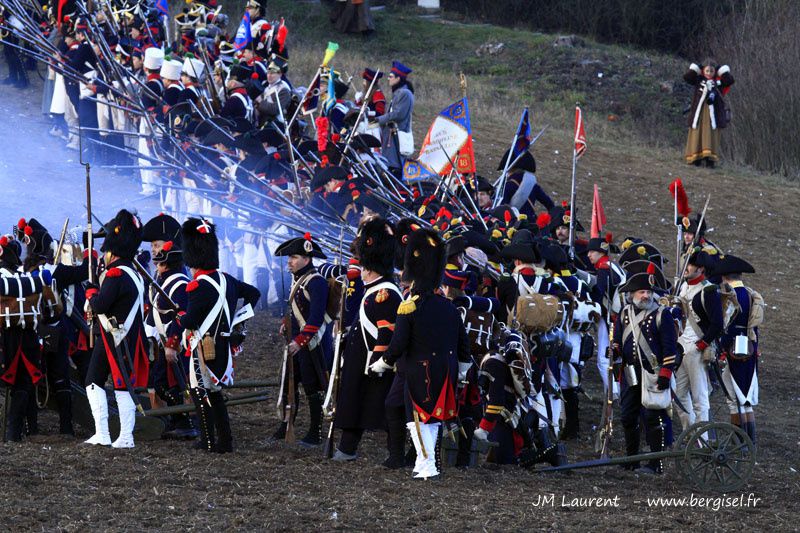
123,235
200,244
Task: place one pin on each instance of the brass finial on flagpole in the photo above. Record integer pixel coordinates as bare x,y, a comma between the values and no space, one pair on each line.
463,83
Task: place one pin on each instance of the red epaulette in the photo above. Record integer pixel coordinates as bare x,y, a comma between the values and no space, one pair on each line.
113,272
192,285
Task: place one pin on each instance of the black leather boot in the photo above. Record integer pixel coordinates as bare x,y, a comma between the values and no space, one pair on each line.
464,456
572,410
222,423
205,421
314,435
395,438
17,407
64,402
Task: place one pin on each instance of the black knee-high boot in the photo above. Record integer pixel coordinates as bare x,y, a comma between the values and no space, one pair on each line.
464,456
64,402
395,437
314,435
205,419
16,415
572,410
632,441
222,423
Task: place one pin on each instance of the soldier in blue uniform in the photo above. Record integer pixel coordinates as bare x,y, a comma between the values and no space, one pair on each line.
522,189
739,345
19,343
428,343
213,338
55,341
304,328
362,393
331,195
645,340
120,342
482,326
170,370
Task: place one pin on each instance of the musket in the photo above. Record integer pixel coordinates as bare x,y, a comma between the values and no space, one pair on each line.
121,360
60,246
333,381
367,99
90,237
603,444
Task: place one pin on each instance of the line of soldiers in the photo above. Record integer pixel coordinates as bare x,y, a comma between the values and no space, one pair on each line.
178,335
444,349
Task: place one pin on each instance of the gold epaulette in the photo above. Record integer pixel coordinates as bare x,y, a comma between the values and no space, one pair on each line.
408,306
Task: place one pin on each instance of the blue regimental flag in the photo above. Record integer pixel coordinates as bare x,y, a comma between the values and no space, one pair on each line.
449,139
522,141
243,35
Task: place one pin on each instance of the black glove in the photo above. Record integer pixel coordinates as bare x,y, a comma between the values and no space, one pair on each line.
662,383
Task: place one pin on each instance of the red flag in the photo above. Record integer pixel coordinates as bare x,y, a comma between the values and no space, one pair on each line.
598,214
580,134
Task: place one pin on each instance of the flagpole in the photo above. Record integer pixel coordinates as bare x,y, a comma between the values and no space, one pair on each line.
572,205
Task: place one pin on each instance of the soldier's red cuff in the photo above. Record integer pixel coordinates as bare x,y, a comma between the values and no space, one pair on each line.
301,340
91,293
665,372
701,345
486,425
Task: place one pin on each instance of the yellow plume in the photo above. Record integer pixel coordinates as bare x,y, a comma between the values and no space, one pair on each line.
329,53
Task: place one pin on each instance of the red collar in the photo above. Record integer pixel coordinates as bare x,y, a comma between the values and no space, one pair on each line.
239,90
527,271
154,76
199,273
602,262
695,281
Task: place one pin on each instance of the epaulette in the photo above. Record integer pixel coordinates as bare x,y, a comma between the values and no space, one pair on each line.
408,306
113,272
192,285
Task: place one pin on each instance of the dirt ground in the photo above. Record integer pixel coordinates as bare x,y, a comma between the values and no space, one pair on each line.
53,483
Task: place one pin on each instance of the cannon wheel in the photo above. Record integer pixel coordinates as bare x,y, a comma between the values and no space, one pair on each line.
718,457
681,443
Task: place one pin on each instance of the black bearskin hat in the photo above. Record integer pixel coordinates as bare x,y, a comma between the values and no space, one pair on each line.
36,238
200,245
164,228
376,245
404,228
424,261
10,251
123,235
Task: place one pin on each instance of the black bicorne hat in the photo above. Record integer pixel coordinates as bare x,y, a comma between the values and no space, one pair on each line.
525,162
304,245
522,247
164,228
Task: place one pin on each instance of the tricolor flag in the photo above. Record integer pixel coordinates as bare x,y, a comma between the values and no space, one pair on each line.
243,35
580,134
522,141
598,215
451,131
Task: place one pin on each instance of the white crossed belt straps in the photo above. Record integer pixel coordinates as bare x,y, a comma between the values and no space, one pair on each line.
220,307
367,326
120,331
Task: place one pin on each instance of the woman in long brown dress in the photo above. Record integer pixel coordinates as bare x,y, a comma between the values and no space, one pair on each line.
708,113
